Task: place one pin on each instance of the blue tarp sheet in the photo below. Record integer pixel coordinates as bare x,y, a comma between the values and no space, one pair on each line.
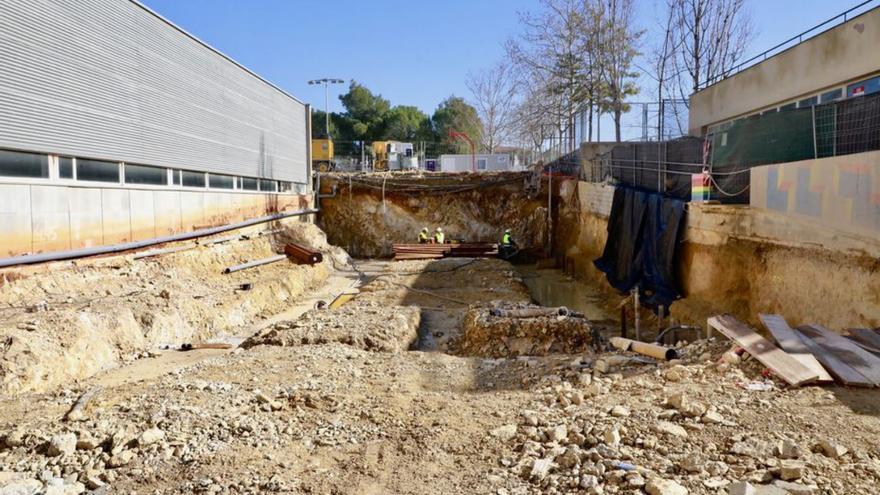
643,235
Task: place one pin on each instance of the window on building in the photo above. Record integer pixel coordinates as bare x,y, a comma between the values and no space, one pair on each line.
808,102
65,167
220,181
481,163
192,179
18,164
268,185
97,170
834,94
143,174
863,88
284,186
175,177
249,184
790,106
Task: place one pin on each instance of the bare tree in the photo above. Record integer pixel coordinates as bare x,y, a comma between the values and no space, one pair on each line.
712,36
550,52
494,92
535,119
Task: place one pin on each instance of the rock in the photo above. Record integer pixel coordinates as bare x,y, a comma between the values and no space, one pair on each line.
676,373
619,411
21,487
121,459
712,417
62,444
830,448
151,436
788,449
796,488
791,470
59,487
540,469
658,486
741,488
677,400
15,438
569,458
557,434
504,433
693,463
611,436
670,429
730,357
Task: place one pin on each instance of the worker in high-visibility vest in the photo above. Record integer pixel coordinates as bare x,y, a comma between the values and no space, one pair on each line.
508,248
507,239
439,236
423,236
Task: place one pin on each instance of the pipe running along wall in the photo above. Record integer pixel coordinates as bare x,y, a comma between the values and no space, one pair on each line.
116,248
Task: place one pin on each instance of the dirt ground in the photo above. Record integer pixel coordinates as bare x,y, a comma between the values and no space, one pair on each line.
370,398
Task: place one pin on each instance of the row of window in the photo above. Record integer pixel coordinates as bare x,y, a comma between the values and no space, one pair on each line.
37,166
861,88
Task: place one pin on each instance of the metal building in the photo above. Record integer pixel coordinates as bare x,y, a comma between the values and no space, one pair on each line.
109,110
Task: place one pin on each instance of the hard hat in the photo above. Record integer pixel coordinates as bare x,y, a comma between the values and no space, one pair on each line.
506,231
439,229
424,229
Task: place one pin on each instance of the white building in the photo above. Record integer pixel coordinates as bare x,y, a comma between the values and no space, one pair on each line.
478,163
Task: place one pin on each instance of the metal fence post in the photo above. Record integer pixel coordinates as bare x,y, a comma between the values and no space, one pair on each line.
815,148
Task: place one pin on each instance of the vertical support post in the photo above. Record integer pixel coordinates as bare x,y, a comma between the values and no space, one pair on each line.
550,209
661,315
623,321
815,148
636,319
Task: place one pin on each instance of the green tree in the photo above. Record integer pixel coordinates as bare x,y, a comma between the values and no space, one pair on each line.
405,123
319,124
454,113
365,114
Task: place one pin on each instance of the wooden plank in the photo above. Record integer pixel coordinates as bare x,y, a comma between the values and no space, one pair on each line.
789,369
793,345
865,336
865,363
843,372
864,346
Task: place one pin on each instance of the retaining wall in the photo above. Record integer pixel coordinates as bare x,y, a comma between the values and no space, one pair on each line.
744,261
41,218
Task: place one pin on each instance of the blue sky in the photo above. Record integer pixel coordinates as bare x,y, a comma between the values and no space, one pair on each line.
412,52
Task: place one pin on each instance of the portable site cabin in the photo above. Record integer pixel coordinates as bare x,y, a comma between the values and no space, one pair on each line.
478,163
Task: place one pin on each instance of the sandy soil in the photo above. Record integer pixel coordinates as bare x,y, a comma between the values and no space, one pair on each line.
338,418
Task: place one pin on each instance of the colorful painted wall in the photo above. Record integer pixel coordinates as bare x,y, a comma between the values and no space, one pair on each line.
42,218
841,192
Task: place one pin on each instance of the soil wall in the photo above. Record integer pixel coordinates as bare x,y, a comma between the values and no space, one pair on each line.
743,261
65,321
366,220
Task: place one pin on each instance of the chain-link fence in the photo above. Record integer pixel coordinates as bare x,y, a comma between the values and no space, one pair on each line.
730,151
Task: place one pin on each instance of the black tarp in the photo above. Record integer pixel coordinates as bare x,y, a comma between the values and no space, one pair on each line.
643,232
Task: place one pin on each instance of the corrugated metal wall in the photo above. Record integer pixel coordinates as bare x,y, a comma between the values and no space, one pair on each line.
108,79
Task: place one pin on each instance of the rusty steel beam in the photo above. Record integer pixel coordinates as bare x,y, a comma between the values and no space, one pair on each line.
303,254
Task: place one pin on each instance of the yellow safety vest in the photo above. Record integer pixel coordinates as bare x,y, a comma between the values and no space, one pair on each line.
439,237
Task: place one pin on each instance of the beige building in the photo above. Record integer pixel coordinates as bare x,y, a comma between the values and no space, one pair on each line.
842,62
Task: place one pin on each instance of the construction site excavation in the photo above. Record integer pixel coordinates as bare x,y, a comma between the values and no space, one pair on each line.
209,285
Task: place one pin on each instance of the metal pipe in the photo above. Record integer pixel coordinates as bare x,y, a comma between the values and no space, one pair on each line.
128,246
219,240
251,264
157,252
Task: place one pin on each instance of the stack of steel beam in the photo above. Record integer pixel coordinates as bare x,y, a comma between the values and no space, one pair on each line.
437,251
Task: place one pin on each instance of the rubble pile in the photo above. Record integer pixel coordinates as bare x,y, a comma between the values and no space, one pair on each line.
659,431
362,324
484,334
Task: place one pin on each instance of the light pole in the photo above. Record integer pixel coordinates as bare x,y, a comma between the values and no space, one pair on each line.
327,81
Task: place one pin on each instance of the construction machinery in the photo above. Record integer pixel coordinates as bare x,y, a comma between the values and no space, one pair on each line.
393,155
322,154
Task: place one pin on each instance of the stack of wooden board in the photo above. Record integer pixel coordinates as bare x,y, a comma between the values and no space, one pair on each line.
809,354
437,251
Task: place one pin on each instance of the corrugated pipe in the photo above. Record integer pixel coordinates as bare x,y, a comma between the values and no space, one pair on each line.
115,248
